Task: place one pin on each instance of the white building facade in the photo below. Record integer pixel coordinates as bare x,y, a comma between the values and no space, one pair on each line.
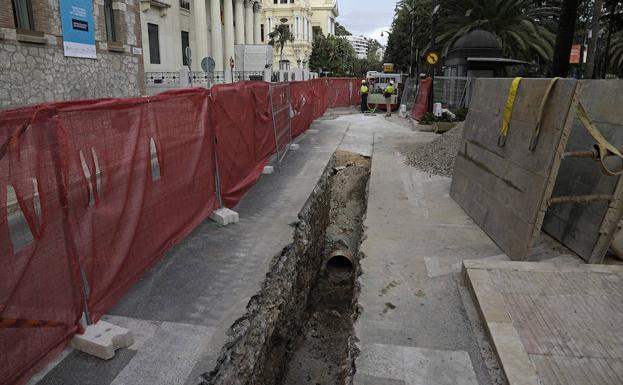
304,18
211,28
360,45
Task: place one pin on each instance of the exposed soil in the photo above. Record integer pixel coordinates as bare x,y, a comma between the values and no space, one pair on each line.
323,355
299,328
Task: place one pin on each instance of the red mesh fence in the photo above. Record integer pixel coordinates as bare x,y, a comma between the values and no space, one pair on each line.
134,165
39,304
421,102
244,135
340,92
108,186
302,106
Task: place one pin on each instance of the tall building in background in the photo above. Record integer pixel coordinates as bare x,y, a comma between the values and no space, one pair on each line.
69,49
360,45
304,18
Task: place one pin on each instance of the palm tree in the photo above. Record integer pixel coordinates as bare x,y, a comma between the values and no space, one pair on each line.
520,25
616,52
279,37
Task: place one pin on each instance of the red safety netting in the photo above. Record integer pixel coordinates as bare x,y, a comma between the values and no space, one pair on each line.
150,164
302,106
421,102
39,304
108,186
245,137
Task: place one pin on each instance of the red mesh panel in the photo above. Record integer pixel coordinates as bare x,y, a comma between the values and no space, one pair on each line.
116,183
39,304
303,107
339,92
126,226
421,101
244,133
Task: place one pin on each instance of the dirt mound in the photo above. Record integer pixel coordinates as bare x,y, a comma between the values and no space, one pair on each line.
436,157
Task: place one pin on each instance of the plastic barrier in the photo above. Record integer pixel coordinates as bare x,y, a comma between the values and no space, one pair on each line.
103,188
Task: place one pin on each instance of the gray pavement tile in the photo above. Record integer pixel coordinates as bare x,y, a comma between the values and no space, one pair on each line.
81,368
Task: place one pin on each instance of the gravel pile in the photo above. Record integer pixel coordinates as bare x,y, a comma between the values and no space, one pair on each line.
436,157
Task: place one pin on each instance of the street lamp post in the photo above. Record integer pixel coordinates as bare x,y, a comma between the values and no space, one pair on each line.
431,100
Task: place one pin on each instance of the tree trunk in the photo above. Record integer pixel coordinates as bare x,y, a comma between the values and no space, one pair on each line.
604,69
564,38
592,43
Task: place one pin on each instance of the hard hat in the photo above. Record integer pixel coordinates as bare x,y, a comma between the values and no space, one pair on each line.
391,82
363,81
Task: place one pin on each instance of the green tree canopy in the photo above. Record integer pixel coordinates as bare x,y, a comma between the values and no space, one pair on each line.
522,27
340,30
332,54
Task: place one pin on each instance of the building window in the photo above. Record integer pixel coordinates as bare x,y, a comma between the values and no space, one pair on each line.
154,43
185,44
22,11
109,19
262,31
185,4
275,2
284,1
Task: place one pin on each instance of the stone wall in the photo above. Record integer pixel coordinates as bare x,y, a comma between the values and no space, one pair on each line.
32,74
34,69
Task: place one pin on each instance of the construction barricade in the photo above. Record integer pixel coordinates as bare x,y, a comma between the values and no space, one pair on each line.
93,193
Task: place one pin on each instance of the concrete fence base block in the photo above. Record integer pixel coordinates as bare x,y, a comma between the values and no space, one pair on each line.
102,339
268,170
294,146
224,216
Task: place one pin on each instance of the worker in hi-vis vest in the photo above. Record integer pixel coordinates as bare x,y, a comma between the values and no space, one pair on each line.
388,92
363,91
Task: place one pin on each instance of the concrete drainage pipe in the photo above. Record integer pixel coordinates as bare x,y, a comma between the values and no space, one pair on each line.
340,265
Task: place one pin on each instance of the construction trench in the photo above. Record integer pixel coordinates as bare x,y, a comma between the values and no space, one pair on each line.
299,328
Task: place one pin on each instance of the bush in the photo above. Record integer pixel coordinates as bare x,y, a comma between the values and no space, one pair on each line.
429,118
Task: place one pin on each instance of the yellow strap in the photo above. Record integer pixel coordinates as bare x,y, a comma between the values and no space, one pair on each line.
605,148
537,129
508,110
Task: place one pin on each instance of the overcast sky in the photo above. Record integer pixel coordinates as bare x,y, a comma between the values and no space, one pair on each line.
367,17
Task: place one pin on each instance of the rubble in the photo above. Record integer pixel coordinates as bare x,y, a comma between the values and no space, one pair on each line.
435,157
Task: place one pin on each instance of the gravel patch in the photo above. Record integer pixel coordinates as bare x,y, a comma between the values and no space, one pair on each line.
435,157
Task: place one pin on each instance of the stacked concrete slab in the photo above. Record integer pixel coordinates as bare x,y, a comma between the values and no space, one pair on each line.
506,188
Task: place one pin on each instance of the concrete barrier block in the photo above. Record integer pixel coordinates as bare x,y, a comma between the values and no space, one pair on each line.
102,339
294,146
268,170
224,216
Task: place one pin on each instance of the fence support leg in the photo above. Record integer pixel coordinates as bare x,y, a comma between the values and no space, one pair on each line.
223,216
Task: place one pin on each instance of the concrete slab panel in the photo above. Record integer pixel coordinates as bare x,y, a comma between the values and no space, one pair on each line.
416,366
564,318
579,227
504,189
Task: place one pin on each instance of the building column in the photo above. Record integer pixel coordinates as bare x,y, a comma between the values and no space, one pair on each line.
228,18
239,9
201,33
217,34
257,23
248,21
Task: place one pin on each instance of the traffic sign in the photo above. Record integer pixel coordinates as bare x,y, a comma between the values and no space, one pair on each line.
432,58
208,64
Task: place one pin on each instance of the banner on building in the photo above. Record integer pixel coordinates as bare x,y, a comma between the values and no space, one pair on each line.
78,28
